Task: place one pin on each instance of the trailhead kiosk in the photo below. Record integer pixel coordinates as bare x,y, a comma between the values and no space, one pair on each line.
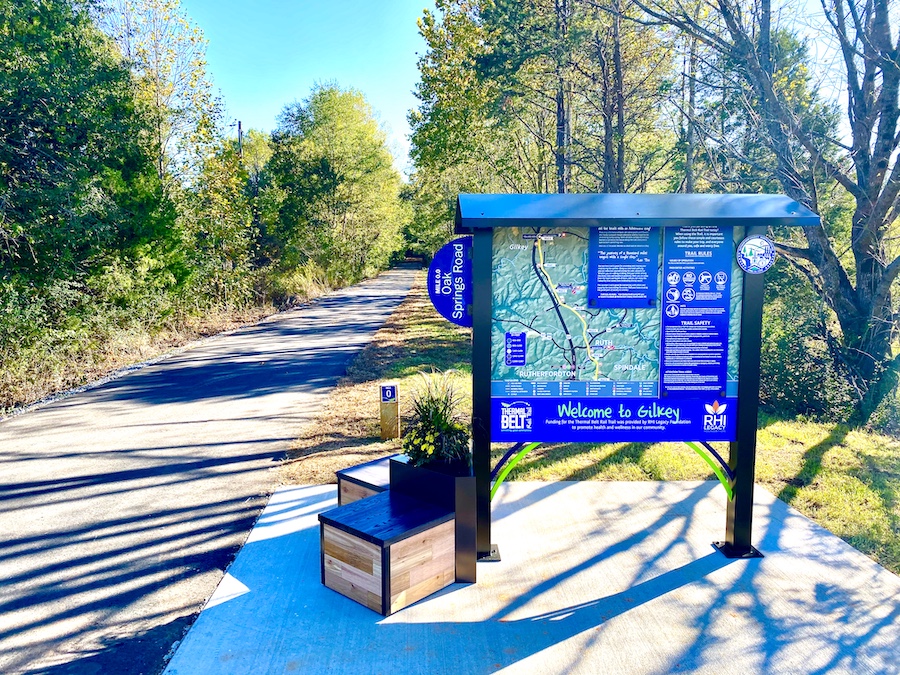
619,318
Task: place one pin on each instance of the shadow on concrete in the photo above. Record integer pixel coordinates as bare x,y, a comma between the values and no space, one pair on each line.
657,603
177,469
121,510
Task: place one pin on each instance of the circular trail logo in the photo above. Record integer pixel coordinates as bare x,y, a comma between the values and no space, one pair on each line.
756,254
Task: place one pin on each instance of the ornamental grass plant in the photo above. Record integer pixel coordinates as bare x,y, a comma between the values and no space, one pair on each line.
436,432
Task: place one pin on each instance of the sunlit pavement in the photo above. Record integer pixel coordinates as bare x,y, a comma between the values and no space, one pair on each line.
123,505
595,577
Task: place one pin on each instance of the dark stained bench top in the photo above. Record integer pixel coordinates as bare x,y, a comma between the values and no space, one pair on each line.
375,474
386,518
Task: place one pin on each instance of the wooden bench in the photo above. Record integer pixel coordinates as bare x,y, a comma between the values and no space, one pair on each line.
363,480
388,551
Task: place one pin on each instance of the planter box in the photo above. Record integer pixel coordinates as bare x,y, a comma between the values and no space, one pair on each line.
388,551
449,491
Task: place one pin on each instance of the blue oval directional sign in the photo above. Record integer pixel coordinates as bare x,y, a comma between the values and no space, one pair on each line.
450,281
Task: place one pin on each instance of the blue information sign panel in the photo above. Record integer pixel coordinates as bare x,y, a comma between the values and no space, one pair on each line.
623,263
450,281
614,334
695,318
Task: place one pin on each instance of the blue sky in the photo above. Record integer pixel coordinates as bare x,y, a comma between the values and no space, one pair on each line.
263,55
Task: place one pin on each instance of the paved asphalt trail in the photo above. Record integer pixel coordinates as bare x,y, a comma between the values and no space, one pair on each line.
122,506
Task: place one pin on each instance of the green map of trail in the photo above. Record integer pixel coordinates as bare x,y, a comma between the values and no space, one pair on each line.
540,289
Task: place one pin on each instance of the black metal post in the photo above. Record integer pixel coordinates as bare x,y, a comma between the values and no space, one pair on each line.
482,301
742,460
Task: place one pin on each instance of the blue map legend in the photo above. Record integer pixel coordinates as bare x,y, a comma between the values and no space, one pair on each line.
573,388
517,388
516,350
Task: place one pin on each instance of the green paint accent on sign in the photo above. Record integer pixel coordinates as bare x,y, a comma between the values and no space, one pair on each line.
723,479
512,464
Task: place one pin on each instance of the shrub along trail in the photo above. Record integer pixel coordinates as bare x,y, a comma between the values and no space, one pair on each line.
123,505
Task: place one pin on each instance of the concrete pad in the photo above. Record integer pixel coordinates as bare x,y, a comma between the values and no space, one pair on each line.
595,577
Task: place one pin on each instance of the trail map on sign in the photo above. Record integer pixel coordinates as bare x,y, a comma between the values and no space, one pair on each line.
565,349
541,290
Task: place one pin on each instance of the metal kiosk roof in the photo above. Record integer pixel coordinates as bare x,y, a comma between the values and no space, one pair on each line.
478,214
477,211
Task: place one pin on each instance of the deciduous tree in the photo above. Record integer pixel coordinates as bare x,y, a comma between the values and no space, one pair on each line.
336,192
167,54
860,283
74,182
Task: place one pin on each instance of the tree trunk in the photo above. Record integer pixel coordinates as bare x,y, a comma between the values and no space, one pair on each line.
689,136
562,122
619,87
560,151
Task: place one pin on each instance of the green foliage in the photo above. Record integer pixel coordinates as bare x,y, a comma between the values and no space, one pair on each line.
167,55
286,287
217,223
448,127
124,212
72,173
432,196
536,96
769,124
89,248
435,432
330,193
799,373
886,419
735,154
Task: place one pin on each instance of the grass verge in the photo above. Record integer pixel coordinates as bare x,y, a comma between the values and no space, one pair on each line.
846,480
69,359
413,340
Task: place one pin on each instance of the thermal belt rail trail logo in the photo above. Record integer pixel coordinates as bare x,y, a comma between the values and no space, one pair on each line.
516,416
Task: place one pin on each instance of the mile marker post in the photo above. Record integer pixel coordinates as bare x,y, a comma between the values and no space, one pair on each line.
390,411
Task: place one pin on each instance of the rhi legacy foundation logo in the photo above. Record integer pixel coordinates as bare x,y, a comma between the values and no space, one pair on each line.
756,254
715,418
515,416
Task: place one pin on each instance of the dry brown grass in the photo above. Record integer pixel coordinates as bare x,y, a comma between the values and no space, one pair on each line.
347,431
